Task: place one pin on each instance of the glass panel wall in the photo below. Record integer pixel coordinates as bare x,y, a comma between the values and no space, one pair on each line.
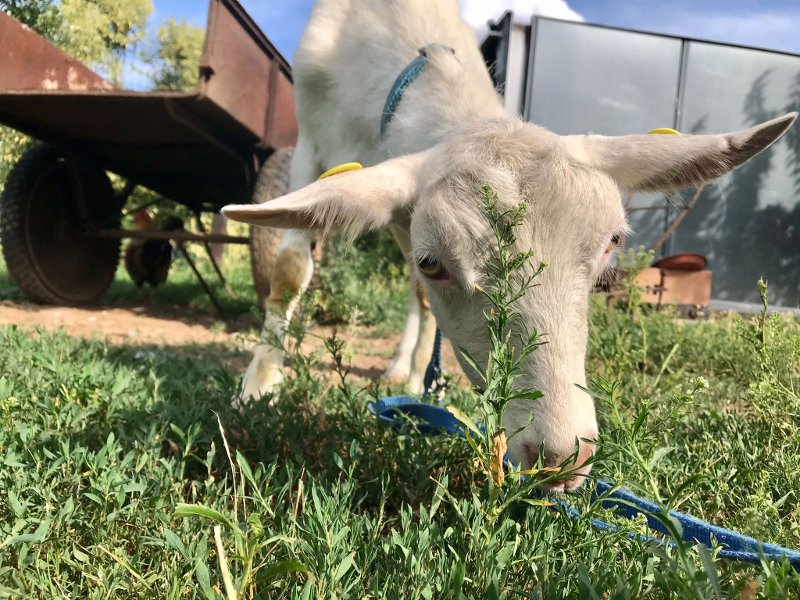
584,78
594,80
591,79
747,223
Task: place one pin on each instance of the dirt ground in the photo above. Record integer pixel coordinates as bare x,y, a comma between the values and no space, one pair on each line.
184,329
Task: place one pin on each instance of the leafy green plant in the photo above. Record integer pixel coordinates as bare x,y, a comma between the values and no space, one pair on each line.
101,444
631,263
509,278
251,565
362,282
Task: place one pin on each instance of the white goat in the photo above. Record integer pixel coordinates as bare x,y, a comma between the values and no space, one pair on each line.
449,135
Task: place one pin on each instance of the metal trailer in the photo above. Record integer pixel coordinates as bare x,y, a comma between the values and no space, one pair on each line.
60,221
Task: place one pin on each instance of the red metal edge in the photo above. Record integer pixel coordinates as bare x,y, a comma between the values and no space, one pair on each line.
30,62
250,26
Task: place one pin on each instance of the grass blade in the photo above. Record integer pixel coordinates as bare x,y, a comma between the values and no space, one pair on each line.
287,566
230,588
464,420
183,511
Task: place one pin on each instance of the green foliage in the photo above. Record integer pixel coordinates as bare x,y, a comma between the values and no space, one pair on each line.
510,276
250,539
729,391
42,16
631,264
176,61
12,145
126,471
98,32
364,282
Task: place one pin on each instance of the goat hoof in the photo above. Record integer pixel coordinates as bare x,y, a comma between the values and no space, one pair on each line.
396,373
255,389
393,380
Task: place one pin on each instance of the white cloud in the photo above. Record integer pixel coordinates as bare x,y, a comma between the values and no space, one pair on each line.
478,12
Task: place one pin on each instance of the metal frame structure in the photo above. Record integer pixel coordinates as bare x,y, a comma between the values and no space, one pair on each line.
200,148
509,48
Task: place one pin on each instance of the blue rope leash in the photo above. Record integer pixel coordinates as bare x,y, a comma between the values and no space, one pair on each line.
407,76
395,411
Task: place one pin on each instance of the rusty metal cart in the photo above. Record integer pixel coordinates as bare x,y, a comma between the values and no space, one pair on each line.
60,215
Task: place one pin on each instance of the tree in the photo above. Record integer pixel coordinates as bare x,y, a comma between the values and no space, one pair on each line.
177,58
99,32
42,16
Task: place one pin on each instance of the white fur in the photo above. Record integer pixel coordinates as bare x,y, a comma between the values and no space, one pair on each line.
449,136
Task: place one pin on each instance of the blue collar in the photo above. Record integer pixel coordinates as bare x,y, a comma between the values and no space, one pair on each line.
408,76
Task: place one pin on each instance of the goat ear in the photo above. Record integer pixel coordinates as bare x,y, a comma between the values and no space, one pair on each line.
649,163
353,201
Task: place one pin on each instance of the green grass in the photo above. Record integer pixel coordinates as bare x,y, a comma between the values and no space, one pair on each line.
98,446
743,434
101,447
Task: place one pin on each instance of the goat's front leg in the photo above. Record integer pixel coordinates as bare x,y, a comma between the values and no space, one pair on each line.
291,275
416,343
400,367
425,338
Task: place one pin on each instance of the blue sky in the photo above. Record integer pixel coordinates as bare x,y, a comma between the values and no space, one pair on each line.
281,20
773,24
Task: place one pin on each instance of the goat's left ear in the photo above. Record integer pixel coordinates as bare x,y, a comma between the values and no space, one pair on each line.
649,163
353,201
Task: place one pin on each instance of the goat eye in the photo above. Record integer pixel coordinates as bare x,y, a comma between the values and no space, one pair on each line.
612,245
430,267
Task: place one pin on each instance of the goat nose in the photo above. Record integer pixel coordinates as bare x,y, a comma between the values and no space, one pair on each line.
574,472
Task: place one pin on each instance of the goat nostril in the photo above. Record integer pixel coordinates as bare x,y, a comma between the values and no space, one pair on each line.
574,466
531,456
585,452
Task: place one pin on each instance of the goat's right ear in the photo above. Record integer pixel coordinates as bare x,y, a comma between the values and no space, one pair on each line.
649,163
353,201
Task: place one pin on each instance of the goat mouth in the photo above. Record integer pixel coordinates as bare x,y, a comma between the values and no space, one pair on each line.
570,484
565,478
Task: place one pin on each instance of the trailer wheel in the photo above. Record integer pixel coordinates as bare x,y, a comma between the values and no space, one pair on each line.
48,203
272,182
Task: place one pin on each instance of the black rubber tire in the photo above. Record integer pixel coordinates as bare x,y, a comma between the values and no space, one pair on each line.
47,202
272,182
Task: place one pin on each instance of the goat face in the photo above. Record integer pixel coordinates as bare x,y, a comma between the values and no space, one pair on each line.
572,187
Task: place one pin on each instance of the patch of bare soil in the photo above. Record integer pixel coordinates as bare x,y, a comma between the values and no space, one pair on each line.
182,328
158,325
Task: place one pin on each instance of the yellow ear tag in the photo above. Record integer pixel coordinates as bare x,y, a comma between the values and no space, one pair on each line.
351,166
664,130
667,131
